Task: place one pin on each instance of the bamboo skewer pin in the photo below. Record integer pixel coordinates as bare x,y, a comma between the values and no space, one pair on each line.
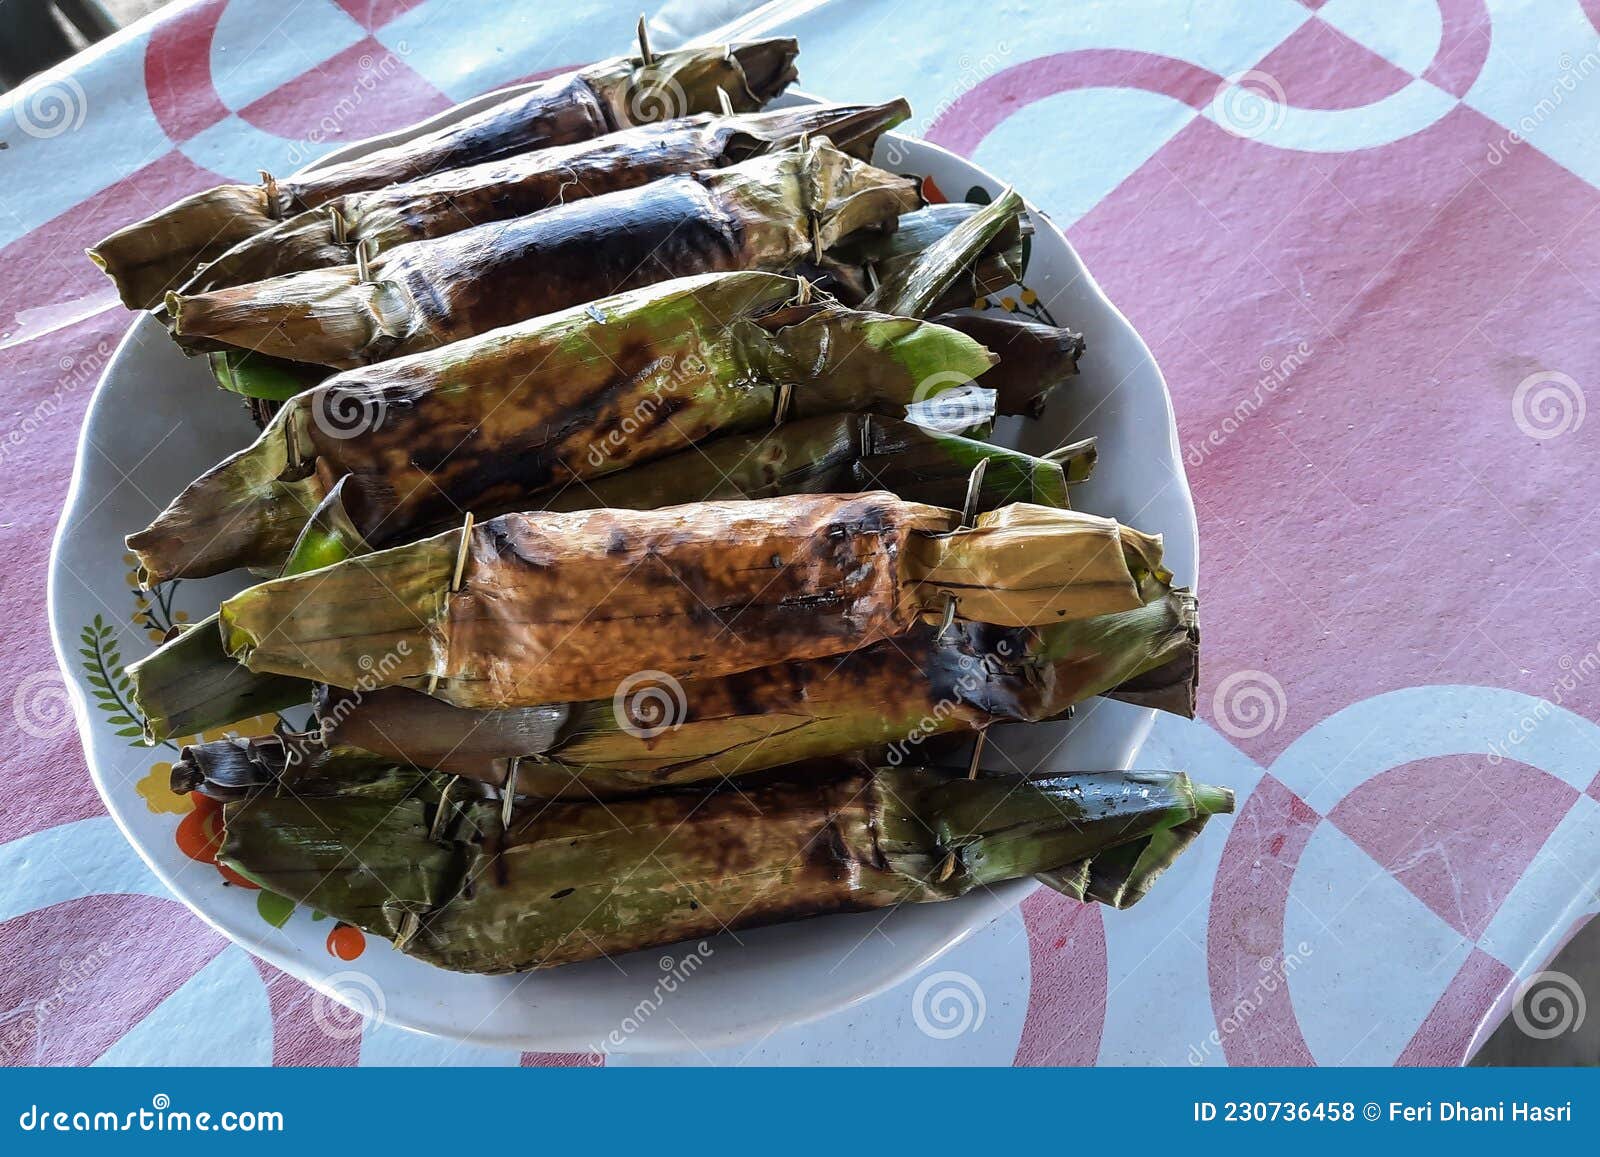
455,579
508,793
969,511
444,807
646,57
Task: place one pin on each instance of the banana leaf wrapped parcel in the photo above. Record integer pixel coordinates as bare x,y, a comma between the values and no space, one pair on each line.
191,684
155,255
657,732
1034,357
764,213
838,454
547,607
444,878
455,199
857,265
484,424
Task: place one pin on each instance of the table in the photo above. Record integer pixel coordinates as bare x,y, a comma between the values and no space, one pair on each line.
1360,238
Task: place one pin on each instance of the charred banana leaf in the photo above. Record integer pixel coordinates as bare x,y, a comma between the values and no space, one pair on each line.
859,264
545,607
484,424
191,684
764,214
899,693
572,881
448,202
151,257
838,454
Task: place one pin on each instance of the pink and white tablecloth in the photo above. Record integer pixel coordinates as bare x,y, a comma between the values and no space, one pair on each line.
1361,238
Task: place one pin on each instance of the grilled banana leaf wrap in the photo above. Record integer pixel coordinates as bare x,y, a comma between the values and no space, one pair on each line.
1032,354
191,684
450,883
856,265
764,213
838,454
149,258
658,732
486,424
545,607
448,202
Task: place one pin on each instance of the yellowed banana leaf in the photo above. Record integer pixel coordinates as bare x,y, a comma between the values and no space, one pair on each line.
900,694
554,606
485,424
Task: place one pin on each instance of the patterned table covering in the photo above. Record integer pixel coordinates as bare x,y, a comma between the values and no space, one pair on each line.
1360,237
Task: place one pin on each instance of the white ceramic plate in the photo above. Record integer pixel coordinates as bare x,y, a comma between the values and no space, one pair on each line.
156,422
